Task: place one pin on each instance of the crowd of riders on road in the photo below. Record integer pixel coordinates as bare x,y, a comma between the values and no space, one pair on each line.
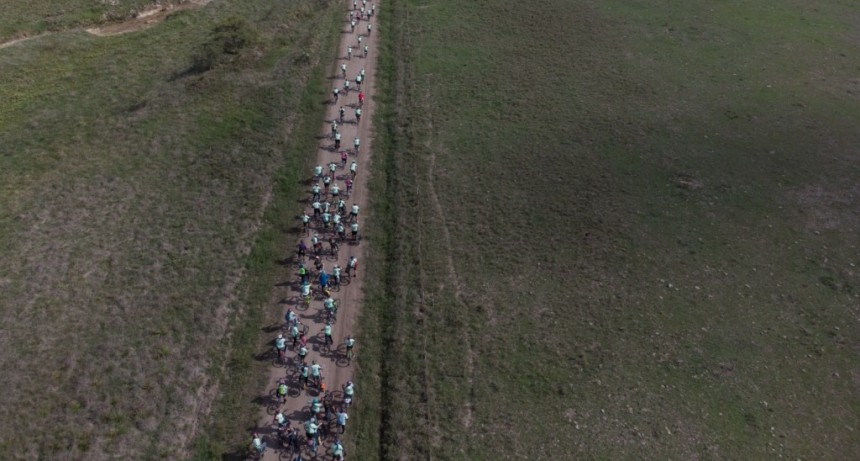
319,275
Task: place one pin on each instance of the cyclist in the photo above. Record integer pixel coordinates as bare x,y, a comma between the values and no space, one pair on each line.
357,120
330,306
258,444
306,291
342,110
335,92
346,82
318,171
356,142
333,248
316,369
335,218
327,333
358,82
303,375
335,273
294,333
352,265
315,191
303,353
351,29
306,221
291,318
349,343
353,228
316,406
333,127
317,208
332,168
349,390
353,213
368,33
341,419
360,95
353,169
282,390
359,40
318,263
343,67
301,250
323,279
326,219
326,182
343,155
348,183
326,205
280,345
315,242
335,190
362,72
311,430
341,231
303,272
337,140
337,450
341,204
281,420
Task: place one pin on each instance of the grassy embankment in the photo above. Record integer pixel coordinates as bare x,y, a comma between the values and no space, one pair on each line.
617,231
133,191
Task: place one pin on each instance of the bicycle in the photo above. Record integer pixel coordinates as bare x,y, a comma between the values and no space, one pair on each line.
331,314
280,360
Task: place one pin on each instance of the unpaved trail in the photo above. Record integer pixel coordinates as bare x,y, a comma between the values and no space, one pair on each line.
336,370
142,20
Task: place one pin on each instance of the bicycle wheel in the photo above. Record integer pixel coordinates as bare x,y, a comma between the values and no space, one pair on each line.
279,361
345,279
304,329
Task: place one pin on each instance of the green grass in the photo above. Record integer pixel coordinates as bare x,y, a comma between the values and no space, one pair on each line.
132,192
644,244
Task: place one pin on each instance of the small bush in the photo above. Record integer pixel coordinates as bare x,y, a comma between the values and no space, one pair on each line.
228,39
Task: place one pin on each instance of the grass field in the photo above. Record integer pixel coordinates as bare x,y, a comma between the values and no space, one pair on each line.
133,188
616,230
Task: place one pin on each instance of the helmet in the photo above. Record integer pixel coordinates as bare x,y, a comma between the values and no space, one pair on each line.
280,336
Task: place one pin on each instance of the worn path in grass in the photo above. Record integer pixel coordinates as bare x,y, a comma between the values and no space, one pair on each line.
336,369
141,20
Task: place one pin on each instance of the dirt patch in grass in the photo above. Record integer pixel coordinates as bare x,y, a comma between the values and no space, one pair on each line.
145,18
824,207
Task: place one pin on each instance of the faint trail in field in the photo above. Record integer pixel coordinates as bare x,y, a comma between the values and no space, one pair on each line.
452,274
142,19
18,40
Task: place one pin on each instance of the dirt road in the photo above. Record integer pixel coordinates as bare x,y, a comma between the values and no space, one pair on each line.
336,369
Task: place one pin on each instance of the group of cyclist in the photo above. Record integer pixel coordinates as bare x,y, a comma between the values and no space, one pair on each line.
327,225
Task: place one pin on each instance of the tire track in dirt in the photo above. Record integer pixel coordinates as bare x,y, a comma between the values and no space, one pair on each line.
335,371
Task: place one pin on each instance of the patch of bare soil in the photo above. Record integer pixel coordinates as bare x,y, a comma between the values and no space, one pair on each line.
144,19
827,208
